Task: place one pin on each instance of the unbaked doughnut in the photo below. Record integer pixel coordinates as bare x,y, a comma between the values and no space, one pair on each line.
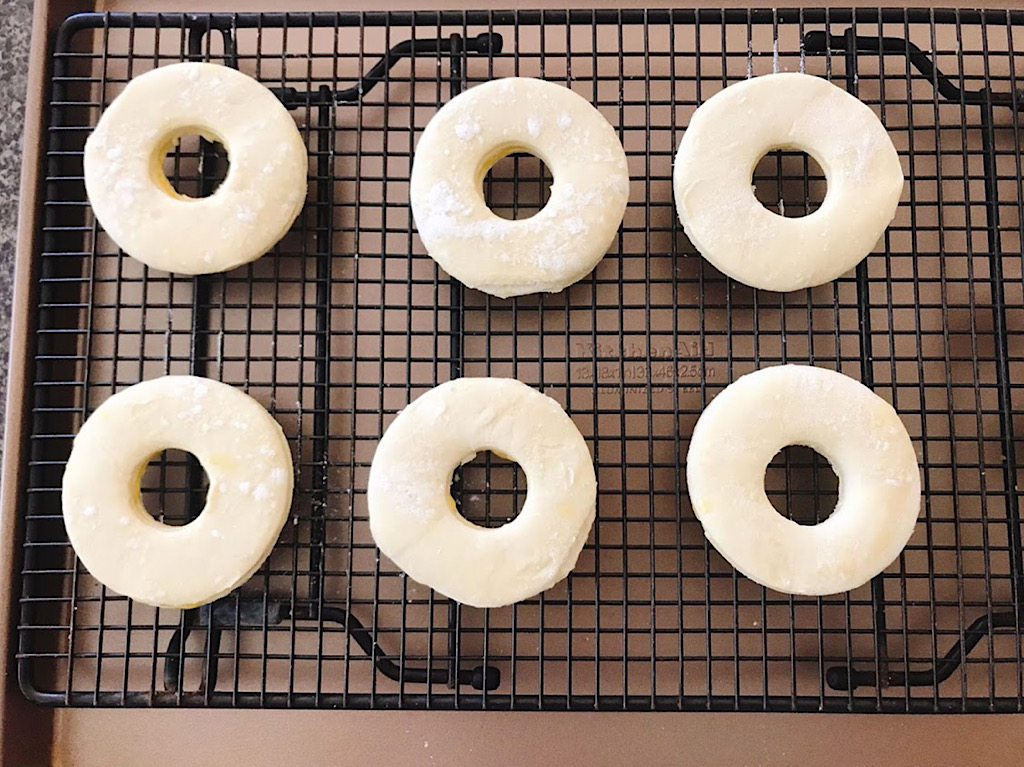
414,520
561,243
867,444
246,458
247,214
734,129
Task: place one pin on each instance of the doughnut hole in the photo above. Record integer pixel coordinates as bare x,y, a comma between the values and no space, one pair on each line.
517,186
194,167
789,183
801,485
489,491
174,487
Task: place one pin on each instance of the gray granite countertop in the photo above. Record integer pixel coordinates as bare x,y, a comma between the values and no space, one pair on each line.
15,31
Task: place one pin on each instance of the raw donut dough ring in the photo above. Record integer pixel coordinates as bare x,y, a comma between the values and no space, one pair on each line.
413,517
738,126
740,432
561,243
248,213
246,457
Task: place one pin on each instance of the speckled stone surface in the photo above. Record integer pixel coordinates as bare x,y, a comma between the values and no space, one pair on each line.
15,31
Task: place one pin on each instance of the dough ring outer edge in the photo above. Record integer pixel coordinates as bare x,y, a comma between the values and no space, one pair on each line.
567,238
413,517
250,211
246,457
730,132
860,434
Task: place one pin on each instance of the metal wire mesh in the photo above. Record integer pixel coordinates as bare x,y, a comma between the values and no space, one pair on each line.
348,320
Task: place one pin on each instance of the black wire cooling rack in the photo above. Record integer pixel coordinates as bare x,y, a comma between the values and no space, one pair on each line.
348,320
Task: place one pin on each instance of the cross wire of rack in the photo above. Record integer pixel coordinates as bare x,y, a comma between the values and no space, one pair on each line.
348,320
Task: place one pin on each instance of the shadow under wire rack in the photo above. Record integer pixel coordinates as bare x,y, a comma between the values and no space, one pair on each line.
347,320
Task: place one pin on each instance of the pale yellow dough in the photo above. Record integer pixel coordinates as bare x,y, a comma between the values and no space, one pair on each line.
867,444
412,514
561,243
734,129
248,213
246,457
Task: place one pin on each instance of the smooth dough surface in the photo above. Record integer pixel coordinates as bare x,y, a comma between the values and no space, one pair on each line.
568,237
734,129
860,434
246,457
413,516
248,213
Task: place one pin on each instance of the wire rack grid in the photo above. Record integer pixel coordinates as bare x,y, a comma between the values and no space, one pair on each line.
348,320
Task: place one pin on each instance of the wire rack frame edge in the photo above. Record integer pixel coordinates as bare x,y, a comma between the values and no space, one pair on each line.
348,320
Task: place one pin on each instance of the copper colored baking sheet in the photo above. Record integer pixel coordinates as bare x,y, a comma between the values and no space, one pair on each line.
829,334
